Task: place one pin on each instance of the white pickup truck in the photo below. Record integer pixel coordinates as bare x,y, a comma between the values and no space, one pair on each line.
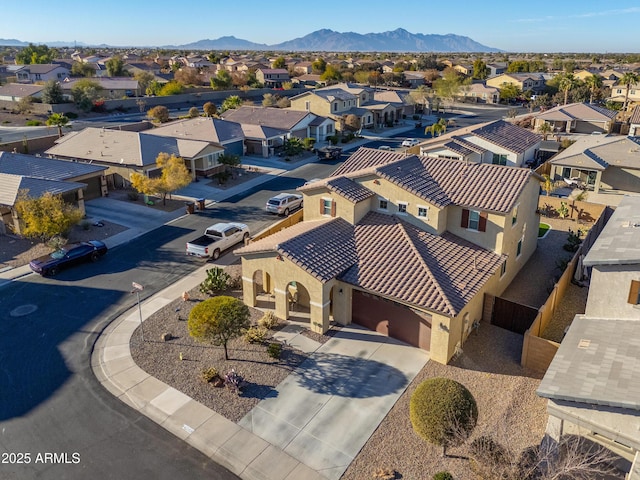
217,238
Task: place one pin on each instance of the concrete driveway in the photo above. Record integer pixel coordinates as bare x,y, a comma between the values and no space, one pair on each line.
325,411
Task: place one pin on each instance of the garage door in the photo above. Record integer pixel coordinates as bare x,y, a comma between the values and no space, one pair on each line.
391,319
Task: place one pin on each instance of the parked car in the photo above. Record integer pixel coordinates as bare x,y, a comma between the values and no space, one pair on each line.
410,142
385,147
329,153
216,239
67,256
284,203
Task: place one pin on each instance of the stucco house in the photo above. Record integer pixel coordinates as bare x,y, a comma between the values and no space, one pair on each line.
405,245
480,93
601,163
577,118
112,87
497,142
127,152
75,181
41,73
634,122
14,92
593,382
533,82
272,77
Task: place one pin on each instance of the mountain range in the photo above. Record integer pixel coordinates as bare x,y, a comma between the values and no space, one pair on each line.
326,40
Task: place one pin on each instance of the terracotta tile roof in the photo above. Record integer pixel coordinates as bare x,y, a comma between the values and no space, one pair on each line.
46,168
347,188
367,158
444,181
470,145
398,260
206,129
635,116
508,136
579,111
10,186
270,243
458,148
280,118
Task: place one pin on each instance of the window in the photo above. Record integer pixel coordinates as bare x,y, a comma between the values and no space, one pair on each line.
423,212
326,206
499,159
514,217
503,268
402,207
307,106
474,220
634,293
383,204
335,107
519,248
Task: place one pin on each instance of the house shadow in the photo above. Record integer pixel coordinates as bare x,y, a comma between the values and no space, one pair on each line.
348,376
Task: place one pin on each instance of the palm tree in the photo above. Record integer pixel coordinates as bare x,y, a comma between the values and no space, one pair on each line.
566,83
628,79
594,82
545,129
58,120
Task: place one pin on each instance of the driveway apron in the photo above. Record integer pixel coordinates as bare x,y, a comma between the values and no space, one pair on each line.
325,411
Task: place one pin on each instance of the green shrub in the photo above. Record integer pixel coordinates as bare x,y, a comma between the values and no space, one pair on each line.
274,350
209,374
443,476
217,280
269,321
309,143
33,123
443,412
255,335
85,224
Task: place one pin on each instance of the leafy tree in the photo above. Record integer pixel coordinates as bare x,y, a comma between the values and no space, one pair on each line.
144,80
318,67
509,91
229,160
159,113
36,54
479,70
352,122
518,66
222,80
268,100
547,184
210,109
443,412
57,120
293,146
188,76
52,92
594,82
46,216
545,129
174,177
218,320
231,102
115,67
331,73
287,85
194,112
431,75
361,76
283,102
171,88
213,57
449,85
81,69
85,92
154,88
279,63
628,79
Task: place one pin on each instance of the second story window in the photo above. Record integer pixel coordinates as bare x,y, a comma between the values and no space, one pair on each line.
327,207
402,207
514,217
423,212
474,220
307,106
383,204
519,248
499,159
335,107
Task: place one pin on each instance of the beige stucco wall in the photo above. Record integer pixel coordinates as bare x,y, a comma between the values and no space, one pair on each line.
317,105
609,292
621,179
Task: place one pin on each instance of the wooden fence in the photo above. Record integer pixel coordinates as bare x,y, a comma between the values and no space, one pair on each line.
281,225
538,352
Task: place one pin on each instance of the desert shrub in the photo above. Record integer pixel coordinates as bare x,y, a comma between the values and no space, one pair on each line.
443,476
443,412
208,374
334,139
384,474
486,450
255,335
274,350
269,321
573,241
133,196
222,177
194,112
57,242
234,382
85,224
234,282
308,143
33,123
217,280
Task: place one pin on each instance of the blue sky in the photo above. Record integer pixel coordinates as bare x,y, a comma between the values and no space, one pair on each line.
542,26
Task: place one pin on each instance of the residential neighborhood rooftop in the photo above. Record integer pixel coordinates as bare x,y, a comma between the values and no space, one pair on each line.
47,168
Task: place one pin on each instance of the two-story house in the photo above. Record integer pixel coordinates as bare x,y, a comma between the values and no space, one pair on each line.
526,82
404,245
593,382
480,93
272,77
497,142
40,73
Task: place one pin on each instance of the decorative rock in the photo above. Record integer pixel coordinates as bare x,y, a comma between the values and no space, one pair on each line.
165,337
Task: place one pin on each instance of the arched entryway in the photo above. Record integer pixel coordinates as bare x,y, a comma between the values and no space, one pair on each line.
298,302
263,290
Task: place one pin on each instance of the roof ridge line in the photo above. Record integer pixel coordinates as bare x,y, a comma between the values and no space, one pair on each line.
412,245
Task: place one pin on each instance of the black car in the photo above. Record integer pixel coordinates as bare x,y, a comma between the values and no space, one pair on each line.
329,153
67,256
